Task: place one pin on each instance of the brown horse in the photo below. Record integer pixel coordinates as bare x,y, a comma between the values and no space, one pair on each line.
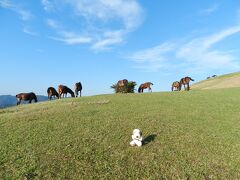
176,86
26,97
64,90
78,87
122,83
52,92
144,86
185,81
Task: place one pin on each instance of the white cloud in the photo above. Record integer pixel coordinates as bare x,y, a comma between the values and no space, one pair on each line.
127,11
47,5
72,38
28,31
106,22
25,15
110,38
5,4
199,53
53,24
209,10
155,54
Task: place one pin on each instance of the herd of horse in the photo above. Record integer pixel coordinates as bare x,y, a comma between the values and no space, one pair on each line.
63,90
52,92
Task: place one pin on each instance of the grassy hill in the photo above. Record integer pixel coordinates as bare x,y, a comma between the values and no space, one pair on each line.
193,134
219,82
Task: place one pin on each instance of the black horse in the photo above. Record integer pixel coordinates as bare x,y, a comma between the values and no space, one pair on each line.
78,87
26,97
52,92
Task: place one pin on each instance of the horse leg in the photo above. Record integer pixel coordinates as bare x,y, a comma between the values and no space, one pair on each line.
80,93
188,86
150,89
18,101
76,92
30,101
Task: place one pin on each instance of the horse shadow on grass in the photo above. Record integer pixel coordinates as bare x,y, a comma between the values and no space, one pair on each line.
149,139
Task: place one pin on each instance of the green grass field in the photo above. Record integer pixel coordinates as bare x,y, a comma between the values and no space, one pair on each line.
189,135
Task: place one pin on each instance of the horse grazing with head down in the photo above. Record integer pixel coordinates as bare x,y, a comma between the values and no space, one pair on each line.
144,86
78,87
64,90
176,86
185,81
26,97
52,92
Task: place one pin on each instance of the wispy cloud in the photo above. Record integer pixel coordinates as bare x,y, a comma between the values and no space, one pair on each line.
209,10
47,5
24,14
5,4
67,37
198,53
28,31
105,22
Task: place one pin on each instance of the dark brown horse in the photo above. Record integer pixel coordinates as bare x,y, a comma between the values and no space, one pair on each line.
176,86
26,97
185,81
64,90
52,92
78,87
144,86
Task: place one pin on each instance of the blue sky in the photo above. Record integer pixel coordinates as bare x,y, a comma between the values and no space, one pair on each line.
50,42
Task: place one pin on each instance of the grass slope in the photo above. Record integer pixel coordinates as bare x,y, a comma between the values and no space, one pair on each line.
193,134
224,81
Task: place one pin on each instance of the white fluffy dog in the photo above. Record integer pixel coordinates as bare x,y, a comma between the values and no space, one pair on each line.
136,138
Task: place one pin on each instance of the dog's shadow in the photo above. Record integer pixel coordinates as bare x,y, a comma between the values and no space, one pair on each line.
149,139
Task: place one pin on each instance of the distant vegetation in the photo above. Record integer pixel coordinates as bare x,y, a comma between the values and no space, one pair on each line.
125,89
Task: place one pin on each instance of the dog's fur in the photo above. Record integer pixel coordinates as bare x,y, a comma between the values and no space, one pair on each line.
136,138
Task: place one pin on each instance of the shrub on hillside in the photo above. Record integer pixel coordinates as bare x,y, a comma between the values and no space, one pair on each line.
125,89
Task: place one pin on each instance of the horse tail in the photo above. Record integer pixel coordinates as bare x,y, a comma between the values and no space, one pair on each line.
150,83
191,79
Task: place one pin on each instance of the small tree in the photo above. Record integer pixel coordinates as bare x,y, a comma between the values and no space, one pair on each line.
125,89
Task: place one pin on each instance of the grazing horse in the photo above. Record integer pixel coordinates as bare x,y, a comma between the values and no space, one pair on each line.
64,90
26,97
78,87
144,86
176,86
52,92
185,81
